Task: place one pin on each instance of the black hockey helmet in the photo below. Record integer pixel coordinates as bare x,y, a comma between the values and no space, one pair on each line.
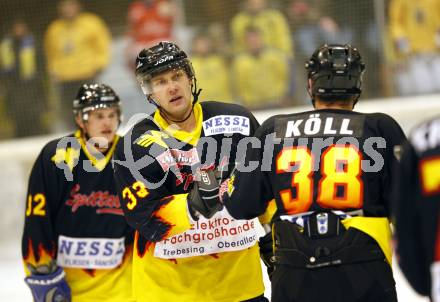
160,58
336,71
95,96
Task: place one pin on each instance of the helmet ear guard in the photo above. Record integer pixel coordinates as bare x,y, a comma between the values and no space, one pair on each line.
335,72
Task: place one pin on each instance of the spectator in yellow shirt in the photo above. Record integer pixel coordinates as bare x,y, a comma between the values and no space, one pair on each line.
415,33
212,70
77,47
261,74
271,23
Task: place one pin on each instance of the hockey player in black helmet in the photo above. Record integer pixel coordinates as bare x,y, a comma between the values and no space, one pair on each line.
334,73
159,59
95,96
88,109
76,243
330,175
176,257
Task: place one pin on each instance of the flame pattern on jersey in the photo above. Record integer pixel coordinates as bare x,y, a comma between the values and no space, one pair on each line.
37,254
163,219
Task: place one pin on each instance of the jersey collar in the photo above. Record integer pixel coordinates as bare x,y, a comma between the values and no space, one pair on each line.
188,137
97,163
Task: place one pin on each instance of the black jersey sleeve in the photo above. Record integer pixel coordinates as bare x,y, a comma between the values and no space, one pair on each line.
150,205
407,228
395,139
46,183
247,192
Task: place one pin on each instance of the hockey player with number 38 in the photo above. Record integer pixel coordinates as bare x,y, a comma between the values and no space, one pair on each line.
330,172
76,243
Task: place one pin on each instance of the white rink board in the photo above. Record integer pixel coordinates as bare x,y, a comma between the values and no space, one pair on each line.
17,157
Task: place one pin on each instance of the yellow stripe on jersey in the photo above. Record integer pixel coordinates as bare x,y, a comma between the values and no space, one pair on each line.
188,137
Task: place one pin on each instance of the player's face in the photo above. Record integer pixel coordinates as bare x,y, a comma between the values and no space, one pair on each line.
101,125
172,91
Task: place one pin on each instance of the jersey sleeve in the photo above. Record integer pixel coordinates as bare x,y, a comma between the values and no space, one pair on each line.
407,229
395,139
145,193
247,192
42,200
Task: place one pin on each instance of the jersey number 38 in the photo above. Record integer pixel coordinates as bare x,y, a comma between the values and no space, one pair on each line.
340,186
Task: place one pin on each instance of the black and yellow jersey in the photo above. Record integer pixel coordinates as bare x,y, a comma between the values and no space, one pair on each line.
320,160
176,258
74,217
416,205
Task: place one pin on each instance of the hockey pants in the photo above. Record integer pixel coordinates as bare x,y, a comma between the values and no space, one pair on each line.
348,267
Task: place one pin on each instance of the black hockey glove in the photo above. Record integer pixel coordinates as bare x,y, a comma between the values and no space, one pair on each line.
266,252
203,197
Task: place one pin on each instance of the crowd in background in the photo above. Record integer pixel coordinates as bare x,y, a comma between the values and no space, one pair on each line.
254,57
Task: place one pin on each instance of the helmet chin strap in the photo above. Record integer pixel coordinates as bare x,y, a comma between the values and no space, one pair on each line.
308,89
195,93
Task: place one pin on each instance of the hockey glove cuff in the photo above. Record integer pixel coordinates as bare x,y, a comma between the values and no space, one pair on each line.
204,196
49,288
